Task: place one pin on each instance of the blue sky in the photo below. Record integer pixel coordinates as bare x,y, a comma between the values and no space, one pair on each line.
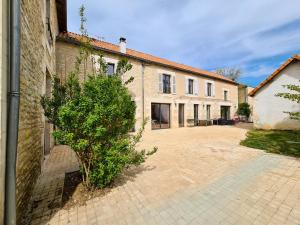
254,35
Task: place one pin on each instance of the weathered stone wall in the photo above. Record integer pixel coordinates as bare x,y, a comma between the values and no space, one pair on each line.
3,100
37,57
67,52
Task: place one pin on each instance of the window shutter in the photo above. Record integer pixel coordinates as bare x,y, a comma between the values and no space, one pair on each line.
206,89
174,84
160,83
213,89
196,87
186,86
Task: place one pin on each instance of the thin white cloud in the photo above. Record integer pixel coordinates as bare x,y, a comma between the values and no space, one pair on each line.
201,33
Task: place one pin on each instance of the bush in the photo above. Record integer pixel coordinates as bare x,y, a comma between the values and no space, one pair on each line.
244,109
94,118
95,124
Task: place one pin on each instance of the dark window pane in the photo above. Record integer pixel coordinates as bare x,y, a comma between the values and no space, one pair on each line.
191,86
209,89
165,116
110,68
166,83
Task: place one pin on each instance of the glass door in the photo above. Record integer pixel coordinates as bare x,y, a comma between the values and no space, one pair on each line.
160,116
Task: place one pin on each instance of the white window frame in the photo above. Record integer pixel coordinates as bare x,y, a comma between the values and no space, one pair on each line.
228,94
160,74
195,86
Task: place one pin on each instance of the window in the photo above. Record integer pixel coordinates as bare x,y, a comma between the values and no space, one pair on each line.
166,83
191,86
209,89
225,95
48,24
110,68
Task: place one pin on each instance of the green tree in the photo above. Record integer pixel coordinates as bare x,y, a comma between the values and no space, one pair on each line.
232,73
94,118
293,96
244,109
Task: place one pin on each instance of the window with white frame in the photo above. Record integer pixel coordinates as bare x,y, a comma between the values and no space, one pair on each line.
209,88
167,83
191,86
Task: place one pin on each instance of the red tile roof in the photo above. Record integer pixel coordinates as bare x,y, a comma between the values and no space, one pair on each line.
274,74
105,46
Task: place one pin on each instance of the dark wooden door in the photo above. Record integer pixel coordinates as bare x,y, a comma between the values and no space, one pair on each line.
181,115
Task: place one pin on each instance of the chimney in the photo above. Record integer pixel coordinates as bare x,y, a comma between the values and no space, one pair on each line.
122,45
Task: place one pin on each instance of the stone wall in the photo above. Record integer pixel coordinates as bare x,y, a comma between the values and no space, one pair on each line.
67,52
37,57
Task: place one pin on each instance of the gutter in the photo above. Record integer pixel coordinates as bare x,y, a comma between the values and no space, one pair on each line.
13,112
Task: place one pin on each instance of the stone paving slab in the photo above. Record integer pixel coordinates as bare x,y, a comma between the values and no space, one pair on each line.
199,176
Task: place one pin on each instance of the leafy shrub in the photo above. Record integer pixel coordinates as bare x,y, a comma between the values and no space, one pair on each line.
94,118
244,109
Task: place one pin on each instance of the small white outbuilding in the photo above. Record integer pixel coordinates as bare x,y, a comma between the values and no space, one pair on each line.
268,109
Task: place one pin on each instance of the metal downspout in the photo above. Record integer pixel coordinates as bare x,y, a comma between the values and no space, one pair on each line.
13,111
143,92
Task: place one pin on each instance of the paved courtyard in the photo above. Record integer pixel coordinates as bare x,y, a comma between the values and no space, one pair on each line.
198,176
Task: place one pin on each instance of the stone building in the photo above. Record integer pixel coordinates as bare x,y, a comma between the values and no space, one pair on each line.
40,23
168,93
243,96
269,110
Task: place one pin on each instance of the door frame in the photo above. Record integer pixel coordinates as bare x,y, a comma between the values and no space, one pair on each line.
160,127
180,114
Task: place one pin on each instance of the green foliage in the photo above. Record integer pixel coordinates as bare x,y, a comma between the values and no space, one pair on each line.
94,118
51,104
244,109
294,96
232,73
275,141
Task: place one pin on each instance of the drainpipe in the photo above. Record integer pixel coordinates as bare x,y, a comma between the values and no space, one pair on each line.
13,111
143,93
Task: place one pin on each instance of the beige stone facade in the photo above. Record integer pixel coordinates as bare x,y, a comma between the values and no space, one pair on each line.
147,81
37,67
243,96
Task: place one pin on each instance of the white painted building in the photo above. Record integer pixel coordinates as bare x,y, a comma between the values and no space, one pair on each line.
268,109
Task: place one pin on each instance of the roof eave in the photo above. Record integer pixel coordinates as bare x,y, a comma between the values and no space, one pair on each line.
76,42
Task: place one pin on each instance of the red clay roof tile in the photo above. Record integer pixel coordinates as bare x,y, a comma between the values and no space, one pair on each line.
105,46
